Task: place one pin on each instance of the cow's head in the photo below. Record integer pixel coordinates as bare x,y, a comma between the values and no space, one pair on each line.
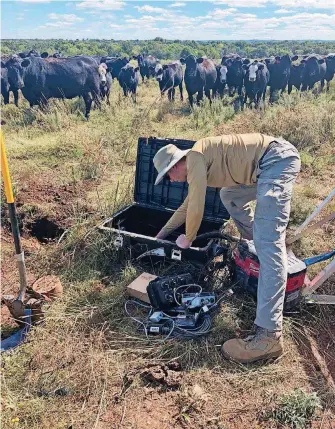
235,65
159,75
129,70
190,61
222,73
298,69
16,71
330,60
139,58
253,71
157,71
224,59
285,60
102,69
33,53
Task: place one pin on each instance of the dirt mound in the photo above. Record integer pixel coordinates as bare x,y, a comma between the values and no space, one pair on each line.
61,200
45,211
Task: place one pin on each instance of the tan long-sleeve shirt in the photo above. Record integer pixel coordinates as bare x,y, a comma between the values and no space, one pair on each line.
219,162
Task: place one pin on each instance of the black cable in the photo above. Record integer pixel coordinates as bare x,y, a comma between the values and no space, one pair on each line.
217,234
175,331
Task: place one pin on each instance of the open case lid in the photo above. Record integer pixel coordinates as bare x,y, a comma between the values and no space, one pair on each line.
167,194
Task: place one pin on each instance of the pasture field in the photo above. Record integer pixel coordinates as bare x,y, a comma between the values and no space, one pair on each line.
69,174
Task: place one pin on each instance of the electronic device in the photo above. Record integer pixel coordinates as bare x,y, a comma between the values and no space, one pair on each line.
185,324
197,300
156,317
161,291
158,328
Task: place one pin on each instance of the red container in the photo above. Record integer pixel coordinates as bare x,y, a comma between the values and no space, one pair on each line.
247,273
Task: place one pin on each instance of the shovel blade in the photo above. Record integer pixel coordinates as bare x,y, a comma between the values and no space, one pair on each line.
16,309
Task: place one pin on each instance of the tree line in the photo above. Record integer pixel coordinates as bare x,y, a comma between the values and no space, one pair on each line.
169,49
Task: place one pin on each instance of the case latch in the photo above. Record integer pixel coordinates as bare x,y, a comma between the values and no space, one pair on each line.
118,242
176,255
154,252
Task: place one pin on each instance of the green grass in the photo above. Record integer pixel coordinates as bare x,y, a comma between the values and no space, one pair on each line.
87,344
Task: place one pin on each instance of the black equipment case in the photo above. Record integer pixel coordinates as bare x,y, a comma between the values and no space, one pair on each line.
154,205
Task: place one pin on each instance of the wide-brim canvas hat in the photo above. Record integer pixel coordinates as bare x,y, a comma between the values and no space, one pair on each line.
166,158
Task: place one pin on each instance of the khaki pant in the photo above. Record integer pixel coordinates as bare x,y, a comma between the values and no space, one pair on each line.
277,171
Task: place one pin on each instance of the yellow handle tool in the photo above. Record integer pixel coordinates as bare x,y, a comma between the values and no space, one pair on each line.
5,172
17,306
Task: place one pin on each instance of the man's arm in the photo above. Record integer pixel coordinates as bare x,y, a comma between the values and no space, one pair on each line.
176,220
197,180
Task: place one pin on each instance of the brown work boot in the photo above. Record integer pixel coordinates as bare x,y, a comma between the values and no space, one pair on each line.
263,345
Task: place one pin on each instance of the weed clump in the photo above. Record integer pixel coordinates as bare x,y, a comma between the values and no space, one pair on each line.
295,409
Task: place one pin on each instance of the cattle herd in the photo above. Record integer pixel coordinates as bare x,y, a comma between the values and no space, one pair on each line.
41,77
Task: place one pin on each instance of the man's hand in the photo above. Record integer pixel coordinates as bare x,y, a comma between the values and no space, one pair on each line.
183,242
162,234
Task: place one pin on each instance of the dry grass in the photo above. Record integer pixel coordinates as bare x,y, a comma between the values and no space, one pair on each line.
87,345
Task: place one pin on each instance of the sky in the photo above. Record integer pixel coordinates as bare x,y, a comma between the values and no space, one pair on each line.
186,20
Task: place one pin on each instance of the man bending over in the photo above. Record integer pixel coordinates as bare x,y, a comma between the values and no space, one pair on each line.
247,167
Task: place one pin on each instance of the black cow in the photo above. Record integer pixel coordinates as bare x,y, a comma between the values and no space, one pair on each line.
40,79
221,80
169,77
200,76
27,54
4,85
105,81
314,71
280,71
97,59
255,81
146,65
115,64
330,72
235,74
128,79
54,55
6,88
296,75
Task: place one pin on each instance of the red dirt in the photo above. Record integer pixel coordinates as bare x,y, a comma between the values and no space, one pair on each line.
63,202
